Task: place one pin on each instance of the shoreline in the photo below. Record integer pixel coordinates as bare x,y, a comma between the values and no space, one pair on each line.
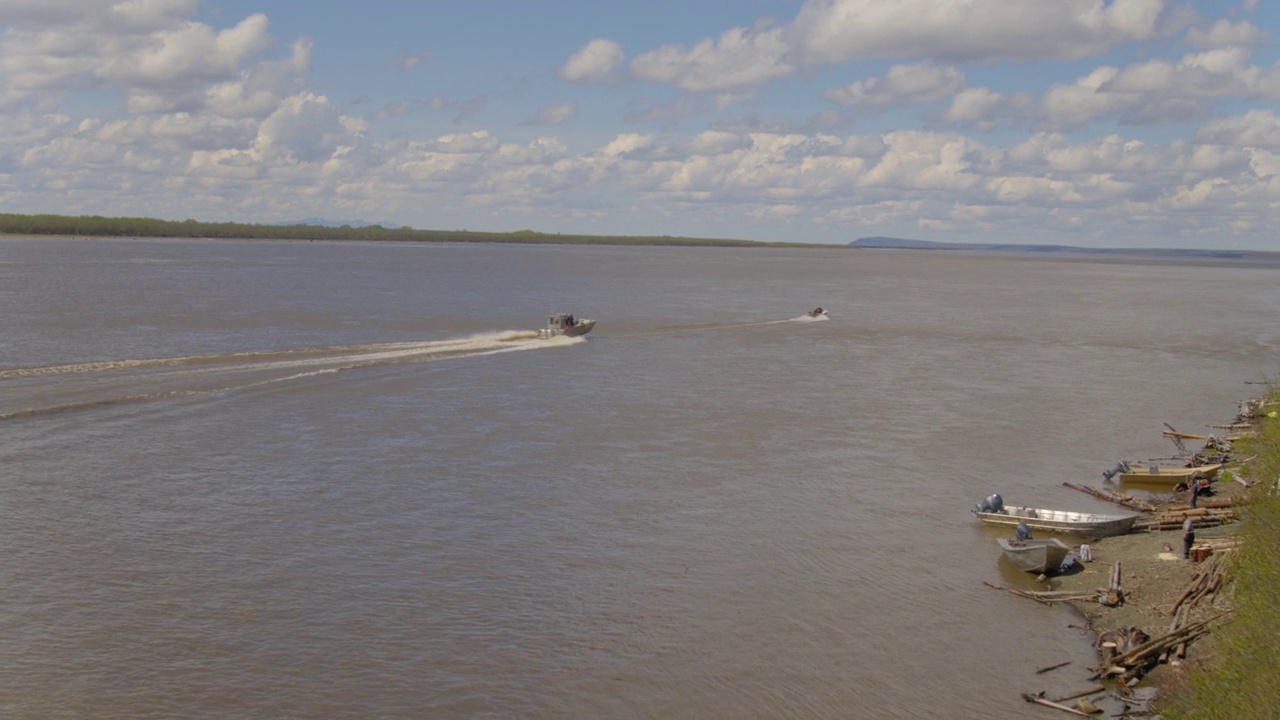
1160,591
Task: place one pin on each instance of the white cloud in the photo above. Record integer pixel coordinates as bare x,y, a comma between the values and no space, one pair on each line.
836,31
464,143
186,53
305,128
739,58
409,62
627,143
829,31
221,122
901,85
1214,73
593,63
1254,129
1225,33
1160,91
146,48
981,107
556,114
1073,105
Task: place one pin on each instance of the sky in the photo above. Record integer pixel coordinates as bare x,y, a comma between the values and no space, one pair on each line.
1092,123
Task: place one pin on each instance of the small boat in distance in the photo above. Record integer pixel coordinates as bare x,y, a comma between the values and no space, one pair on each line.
1035,556
1070,522
816,313
565,324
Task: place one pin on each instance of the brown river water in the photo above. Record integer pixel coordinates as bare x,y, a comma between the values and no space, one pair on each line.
343,480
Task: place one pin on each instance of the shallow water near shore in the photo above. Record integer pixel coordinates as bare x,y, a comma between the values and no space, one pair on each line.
277,479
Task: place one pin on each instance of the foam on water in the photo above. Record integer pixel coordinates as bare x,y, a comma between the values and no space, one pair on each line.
148,379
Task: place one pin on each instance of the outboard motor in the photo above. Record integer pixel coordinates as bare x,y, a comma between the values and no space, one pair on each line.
993,504
1121,467
1022,532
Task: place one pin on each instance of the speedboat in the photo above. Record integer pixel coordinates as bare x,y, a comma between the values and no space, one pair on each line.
816,312
565,324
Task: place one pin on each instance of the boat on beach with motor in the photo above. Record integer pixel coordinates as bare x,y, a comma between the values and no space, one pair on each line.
1161,474
565,324
1035,556
1095,525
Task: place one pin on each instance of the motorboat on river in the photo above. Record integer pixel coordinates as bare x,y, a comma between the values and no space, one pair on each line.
565,324
816,313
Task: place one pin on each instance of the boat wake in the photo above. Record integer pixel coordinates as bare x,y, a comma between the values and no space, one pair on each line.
59,388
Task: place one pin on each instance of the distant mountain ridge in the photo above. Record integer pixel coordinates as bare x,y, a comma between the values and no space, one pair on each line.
911,244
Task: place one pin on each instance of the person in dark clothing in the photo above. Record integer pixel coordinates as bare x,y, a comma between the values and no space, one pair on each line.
1188,538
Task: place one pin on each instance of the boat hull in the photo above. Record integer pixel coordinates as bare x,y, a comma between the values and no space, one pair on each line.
1067,522
582,327
1157,475
1035,556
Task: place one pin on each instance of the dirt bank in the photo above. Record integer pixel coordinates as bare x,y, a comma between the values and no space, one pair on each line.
1154,577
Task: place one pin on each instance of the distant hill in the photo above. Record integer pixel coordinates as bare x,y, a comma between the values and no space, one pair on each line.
910,244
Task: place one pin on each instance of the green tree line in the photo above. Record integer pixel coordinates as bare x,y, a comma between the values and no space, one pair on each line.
98,226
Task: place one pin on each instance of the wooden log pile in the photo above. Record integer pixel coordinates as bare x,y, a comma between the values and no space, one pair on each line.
1138,660
1206,583
1200,517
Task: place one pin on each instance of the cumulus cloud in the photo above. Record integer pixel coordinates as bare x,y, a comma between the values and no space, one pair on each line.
189,52
306,128
1256,128
556,114
409,62
221,121
739,58
1159,91
1225,33
1214,73
146,48
827,31
593,63
901,85
835,31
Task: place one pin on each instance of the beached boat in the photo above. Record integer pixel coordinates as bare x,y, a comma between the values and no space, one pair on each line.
1035,556
1161,474
565,324
1095,525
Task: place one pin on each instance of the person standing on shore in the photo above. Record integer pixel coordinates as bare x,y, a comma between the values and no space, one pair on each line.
1188,537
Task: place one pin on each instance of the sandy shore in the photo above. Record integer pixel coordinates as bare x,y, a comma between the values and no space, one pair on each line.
1154,576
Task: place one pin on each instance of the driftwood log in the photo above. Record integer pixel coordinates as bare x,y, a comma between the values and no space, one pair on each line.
1092,690
1049,703
1135,661
1114,497
1208,579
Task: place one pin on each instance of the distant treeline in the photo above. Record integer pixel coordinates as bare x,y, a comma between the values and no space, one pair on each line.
95,225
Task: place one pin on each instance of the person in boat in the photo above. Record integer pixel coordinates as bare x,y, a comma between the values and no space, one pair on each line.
817,311
568,322
1022,532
